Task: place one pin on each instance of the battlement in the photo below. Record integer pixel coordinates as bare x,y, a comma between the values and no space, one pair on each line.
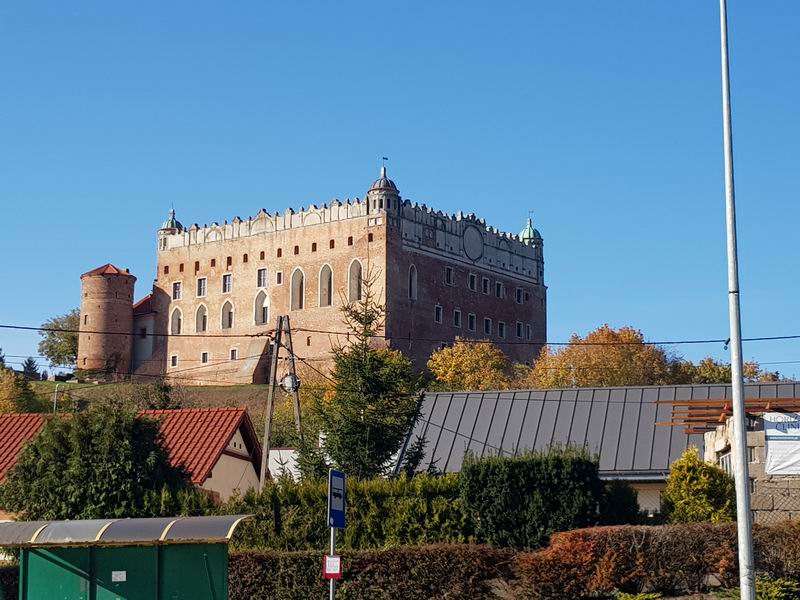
265,222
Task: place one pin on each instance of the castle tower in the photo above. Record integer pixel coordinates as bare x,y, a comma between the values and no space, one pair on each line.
383,195
168,227
105,342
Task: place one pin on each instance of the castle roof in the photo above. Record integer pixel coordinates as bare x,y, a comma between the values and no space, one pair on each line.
107,269
383,183
144,306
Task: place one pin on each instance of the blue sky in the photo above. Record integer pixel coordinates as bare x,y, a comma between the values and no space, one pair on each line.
603,118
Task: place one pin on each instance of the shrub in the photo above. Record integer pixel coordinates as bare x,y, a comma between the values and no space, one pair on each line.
619,504
9,581
698,492
380,513
518,502
767,589
420,572
603,560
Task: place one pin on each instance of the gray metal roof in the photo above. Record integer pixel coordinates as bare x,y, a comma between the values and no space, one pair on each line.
619,424
119,532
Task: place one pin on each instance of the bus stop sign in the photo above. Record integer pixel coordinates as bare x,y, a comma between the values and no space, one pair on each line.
337,501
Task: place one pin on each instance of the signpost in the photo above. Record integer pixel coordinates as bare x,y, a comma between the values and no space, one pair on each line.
337,507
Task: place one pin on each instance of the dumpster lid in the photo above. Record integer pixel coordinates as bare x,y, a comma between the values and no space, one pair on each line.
119,532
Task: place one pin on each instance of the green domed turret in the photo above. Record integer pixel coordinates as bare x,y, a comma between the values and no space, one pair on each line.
529,234
171,222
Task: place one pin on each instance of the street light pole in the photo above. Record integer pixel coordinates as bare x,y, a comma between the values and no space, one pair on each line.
740,465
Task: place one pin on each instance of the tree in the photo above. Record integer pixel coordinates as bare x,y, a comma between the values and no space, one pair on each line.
2,359
471,366
30,369
16,394
59,343
364,418
605,357
698,491
102,463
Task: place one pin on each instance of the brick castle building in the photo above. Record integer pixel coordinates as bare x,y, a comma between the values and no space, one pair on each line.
218,286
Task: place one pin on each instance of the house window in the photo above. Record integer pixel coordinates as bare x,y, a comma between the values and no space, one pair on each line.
331,244
261,255
213,262
487,327
180,268
456,318
280,252
498,289
229,262
325,286
234,353
437,313
296,250
528,331
173,360
279,278
448,275
485,285
412,282
196,267
355,281
142,333
175,322
201,319
520,295
227,315
350,240
227,283
261,278
176,290
202,284
204,357
166,269
519,329
297,291
370,237
85,319
313,246
473,282
471,322
262,308
501,329
244,258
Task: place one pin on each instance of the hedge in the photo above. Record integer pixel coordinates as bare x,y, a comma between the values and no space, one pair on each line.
517,502
587,563
420,572
380,513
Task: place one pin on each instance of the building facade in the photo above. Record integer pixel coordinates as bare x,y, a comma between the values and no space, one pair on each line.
219,289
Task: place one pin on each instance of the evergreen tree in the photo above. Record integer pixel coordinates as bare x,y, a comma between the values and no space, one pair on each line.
366,415
30,369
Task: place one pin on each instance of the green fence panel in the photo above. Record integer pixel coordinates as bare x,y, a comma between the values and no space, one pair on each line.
56,574
126,573
194,572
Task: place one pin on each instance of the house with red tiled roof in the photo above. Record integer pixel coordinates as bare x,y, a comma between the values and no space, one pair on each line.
217,446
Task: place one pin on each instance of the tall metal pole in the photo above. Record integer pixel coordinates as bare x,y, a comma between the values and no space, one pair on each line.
333,553
273,375
743,516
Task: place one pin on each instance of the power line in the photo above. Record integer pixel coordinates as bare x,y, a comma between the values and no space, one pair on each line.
267,333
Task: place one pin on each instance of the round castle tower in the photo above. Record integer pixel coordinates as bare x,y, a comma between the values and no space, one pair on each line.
105,342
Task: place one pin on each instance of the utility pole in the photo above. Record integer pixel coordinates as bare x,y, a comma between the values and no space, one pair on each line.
273,376
290,384
740,466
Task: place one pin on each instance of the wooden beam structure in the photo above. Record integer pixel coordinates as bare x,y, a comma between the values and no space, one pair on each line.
699,416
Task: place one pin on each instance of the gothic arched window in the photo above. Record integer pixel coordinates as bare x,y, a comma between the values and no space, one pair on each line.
325,286
227,315
355,281
201,319
412,282
175,322
262,308
297,291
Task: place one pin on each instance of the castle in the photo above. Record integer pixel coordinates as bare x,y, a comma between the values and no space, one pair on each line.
219,288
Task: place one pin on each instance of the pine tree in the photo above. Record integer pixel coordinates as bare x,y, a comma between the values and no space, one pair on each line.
366,415
30,369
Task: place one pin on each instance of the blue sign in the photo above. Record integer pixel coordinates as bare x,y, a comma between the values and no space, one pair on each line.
337,502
